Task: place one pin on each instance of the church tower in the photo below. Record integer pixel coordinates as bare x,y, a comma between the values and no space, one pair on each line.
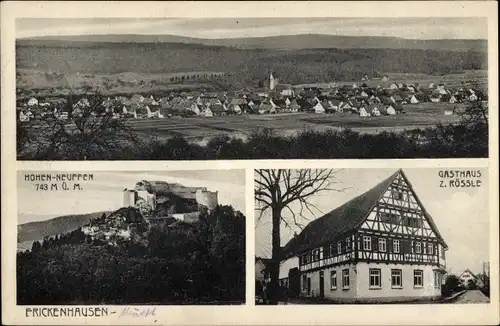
272,82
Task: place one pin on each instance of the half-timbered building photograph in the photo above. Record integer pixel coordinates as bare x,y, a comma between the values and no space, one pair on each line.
371,235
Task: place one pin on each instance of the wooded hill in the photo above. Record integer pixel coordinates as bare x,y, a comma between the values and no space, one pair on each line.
247,65
200,263
279,42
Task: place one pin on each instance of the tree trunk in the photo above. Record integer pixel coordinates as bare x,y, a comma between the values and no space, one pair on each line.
276,256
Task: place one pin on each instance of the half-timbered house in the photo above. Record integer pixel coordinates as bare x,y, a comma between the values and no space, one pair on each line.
381,246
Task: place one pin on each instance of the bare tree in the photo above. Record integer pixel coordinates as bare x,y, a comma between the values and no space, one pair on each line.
276,191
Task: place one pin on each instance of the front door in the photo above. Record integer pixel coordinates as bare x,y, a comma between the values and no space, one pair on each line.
321,284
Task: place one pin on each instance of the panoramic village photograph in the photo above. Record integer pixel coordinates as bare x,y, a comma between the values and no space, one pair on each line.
372,236
150,238
251,88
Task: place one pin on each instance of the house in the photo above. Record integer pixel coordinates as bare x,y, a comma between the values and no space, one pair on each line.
374,110
435,98
413,100
345,106
207,112
381,246
467,276
278,104
335,105
393,86
235,109
218,110
294,106
385,78
473,97
32,101
266,108
318,108
453,99
363,112
390,110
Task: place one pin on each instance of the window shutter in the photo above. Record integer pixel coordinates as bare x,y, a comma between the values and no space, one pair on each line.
389,245
375,243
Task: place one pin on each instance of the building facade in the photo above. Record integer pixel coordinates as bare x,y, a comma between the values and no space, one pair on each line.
381,246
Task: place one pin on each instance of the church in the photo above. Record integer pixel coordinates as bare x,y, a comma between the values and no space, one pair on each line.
381,246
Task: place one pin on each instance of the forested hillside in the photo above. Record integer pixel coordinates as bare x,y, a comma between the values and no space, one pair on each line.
249,65
289,42
200,263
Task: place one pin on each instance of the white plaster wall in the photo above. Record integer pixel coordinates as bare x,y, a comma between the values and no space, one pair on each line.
407,290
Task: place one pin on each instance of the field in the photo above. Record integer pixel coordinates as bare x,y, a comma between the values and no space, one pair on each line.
200,129
48,84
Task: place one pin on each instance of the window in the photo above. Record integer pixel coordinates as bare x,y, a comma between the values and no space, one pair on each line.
396,278
375,279
315,254
418,247
332,249
339,247
367,243
430,249
347,244
412,247
345,278
395,246
304,282
437,280
418,278
308,257
382,244
442,252
333,280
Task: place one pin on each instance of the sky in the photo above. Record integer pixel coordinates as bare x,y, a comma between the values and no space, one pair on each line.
461,214
105,191
410,28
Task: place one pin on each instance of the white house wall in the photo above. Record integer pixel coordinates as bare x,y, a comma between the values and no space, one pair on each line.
406,292
340,294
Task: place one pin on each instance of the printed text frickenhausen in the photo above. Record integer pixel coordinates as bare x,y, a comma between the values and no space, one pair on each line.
460,178
59,181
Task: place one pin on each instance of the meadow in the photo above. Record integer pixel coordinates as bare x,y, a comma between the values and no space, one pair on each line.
201,129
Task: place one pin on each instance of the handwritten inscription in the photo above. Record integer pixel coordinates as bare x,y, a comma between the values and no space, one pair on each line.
138,312
460,178
58,181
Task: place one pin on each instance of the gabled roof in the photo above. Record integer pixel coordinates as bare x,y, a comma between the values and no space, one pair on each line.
339,221
470,272
346,218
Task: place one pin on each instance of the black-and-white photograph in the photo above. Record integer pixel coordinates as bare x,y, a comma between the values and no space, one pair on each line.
251,88
150,238
372,236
